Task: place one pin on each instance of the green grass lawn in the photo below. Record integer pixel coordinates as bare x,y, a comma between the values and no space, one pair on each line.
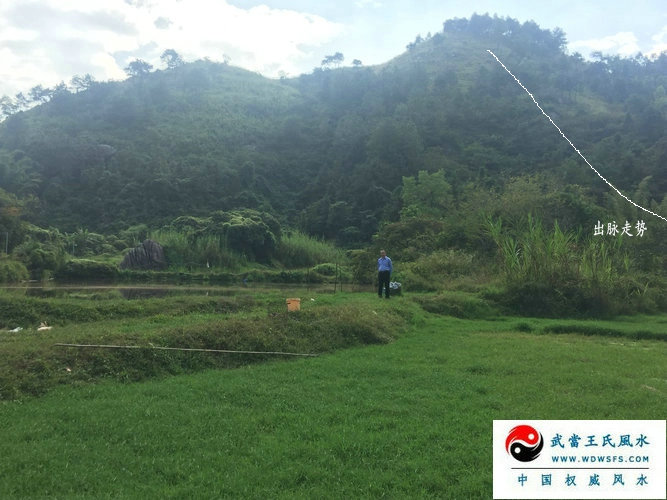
411,418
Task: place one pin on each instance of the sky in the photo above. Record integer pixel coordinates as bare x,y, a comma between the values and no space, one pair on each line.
48,41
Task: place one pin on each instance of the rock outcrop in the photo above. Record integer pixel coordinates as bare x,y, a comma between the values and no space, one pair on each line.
147,256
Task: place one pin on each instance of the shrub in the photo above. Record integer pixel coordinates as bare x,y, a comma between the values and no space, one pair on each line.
458,304
429,272
363,264
300,250
524,327
12,271
39,256
535,298
87,270
326,269
248,232
409,238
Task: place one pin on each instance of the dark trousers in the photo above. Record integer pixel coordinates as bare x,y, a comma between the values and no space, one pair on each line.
383,280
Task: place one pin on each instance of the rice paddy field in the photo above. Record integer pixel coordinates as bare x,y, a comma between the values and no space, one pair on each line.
399,401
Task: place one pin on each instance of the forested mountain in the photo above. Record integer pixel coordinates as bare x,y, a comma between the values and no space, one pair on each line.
328,151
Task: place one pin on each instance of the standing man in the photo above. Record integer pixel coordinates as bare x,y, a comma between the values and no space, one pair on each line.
384,273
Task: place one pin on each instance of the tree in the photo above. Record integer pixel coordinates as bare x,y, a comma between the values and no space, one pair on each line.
138,67
10,220
21,101
172,59
81,83
559,38
18,173
39,94
417,41
393,148
335,60
59,90
7,106
427,195
356,63
249,232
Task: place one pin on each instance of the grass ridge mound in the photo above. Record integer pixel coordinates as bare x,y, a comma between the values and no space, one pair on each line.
32,364
26,311
605,331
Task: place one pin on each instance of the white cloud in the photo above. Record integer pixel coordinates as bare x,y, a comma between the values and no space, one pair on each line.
659,42
261,37
366,3
162,23
45,41
624,43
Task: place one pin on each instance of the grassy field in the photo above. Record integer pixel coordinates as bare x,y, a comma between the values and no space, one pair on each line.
407,418
218,319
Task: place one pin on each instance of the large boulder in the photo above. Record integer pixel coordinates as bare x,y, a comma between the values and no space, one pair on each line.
148,256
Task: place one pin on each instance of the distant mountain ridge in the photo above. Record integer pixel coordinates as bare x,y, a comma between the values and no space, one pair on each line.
328,151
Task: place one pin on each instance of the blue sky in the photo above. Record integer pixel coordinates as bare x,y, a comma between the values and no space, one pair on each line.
46,41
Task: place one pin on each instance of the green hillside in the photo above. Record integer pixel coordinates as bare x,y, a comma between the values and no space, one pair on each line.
420,154
205,136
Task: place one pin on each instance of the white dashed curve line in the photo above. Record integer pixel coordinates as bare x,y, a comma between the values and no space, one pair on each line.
569,141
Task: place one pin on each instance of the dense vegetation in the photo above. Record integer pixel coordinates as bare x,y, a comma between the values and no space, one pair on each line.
425,155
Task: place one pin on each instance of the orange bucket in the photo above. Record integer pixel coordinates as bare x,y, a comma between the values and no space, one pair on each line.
293,304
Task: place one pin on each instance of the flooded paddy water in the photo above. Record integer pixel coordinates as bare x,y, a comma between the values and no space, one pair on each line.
143,291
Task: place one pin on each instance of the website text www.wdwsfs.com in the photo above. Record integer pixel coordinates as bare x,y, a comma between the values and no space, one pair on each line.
598,459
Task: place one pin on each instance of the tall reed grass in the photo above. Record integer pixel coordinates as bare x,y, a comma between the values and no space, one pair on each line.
535,254
190,252
12,271
556,272
300,250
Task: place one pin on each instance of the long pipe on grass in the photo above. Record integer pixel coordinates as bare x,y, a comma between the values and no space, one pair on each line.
179,349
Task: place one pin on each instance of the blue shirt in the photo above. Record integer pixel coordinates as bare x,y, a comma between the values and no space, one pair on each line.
384,264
